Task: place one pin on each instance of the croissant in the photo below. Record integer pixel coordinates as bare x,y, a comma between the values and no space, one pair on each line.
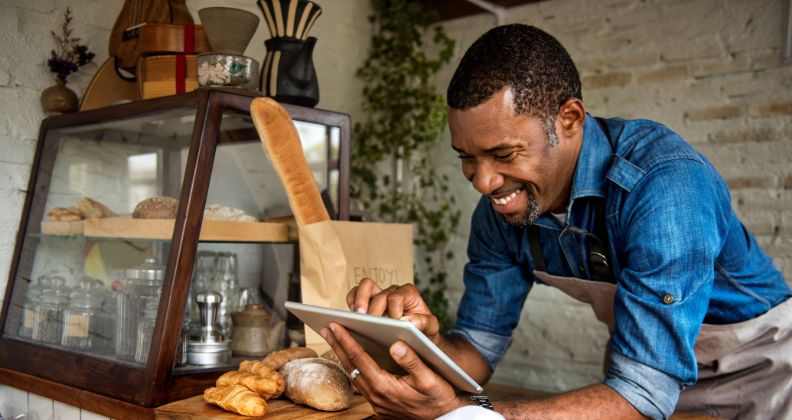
268,387
236,398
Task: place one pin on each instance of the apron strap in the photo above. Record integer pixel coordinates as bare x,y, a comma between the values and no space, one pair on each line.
536,248
599,257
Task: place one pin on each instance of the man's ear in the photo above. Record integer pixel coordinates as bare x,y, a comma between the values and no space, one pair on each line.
571,117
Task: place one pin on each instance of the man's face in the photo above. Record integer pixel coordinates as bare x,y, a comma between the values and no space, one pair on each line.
509,158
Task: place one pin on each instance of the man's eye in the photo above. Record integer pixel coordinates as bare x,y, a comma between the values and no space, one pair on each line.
505,156
465,157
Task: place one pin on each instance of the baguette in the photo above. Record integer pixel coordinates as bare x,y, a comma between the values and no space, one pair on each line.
283,148
277,359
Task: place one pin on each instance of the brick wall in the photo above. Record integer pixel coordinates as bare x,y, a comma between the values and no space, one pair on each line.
343,32
713,71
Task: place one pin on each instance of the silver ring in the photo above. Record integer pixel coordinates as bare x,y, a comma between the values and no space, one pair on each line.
354,374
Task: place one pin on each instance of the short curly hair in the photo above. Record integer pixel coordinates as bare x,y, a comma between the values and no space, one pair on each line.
530,61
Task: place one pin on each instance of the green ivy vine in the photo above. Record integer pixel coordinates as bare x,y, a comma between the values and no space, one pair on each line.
392,176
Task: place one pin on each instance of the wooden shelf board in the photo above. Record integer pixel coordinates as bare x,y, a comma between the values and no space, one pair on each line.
211,230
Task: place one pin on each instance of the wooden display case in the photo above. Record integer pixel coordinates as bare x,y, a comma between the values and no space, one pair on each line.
200,148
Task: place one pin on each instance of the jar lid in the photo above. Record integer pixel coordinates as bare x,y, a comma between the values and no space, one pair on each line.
149,270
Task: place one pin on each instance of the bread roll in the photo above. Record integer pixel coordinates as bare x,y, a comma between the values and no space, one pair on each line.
92,209
283,148
64,214
277,359
269,386
317,383
160,207
224,213
237,399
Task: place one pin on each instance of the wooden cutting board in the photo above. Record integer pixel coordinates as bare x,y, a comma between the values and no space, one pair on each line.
194,408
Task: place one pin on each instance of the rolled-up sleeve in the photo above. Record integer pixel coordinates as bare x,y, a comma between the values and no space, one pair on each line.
649,390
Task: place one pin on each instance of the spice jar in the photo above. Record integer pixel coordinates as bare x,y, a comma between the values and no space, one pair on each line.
49,314
143,285
251,331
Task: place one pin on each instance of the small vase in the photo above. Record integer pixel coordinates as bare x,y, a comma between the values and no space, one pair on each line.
59,99
288,74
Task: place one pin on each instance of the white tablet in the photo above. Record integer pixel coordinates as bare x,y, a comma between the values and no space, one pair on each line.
377,333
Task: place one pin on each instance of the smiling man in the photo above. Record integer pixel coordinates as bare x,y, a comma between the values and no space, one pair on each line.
623,215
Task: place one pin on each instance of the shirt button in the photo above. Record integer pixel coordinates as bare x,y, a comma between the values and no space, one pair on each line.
668,299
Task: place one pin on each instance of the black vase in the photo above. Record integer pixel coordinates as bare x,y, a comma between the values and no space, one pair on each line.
288,74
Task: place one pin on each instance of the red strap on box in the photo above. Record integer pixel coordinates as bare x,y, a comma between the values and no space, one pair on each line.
181,72
189,39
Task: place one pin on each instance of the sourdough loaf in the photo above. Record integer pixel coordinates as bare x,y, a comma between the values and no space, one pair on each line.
318,383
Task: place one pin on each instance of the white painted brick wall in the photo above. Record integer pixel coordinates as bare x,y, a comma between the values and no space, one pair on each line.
711,70
343,32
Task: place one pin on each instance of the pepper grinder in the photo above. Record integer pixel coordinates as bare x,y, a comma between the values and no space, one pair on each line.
208,346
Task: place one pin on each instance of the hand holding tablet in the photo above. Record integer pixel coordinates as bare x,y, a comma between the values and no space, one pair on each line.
376,334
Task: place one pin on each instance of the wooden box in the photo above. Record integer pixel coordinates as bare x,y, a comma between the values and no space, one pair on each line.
163,75
159,38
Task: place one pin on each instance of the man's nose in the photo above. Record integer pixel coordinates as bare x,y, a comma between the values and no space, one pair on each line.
486,179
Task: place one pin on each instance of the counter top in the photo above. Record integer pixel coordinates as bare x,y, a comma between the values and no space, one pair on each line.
195,408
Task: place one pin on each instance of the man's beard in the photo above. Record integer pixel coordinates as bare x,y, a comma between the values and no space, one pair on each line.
526,218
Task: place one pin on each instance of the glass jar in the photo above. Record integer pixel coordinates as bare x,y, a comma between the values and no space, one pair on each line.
202,276
29,308
225,282
49,314
145,332
84,322
143,285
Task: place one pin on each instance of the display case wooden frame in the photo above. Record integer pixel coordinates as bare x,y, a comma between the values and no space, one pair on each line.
157,383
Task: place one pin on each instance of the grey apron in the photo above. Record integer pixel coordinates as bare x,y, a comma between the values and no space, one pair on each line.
744,369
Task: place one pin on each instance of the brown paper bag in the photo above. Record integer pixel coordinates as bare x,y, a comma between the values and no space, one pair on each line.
336,255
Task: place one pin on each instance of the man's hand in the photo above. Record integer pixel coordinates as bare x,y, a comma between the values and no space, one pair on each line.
420,394
400,302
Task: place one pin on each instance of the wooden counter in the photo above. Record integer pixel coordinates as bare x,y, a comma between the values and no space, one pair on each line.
196,409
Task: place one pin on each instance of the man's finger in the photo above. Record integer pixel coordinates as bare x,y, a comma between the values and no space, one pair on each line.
357,358
428,324
423,379
365,290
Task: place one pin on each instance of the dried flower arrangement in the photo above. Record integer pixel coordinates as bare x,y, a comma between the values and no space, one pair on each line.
69,55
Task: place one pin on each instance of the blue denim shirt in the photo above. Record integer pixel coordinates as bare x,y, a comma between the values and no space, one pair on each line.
679,255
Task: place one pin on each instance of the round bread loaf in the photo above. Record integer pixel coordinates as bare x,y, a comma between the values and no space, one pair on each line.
318,383
159,207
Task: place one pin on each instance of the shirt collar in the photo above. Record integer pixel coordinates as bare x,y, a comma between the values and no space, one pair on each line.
593,162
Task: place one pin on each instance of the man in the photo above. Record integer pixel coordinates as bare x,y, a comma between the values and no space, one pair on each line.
623,215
